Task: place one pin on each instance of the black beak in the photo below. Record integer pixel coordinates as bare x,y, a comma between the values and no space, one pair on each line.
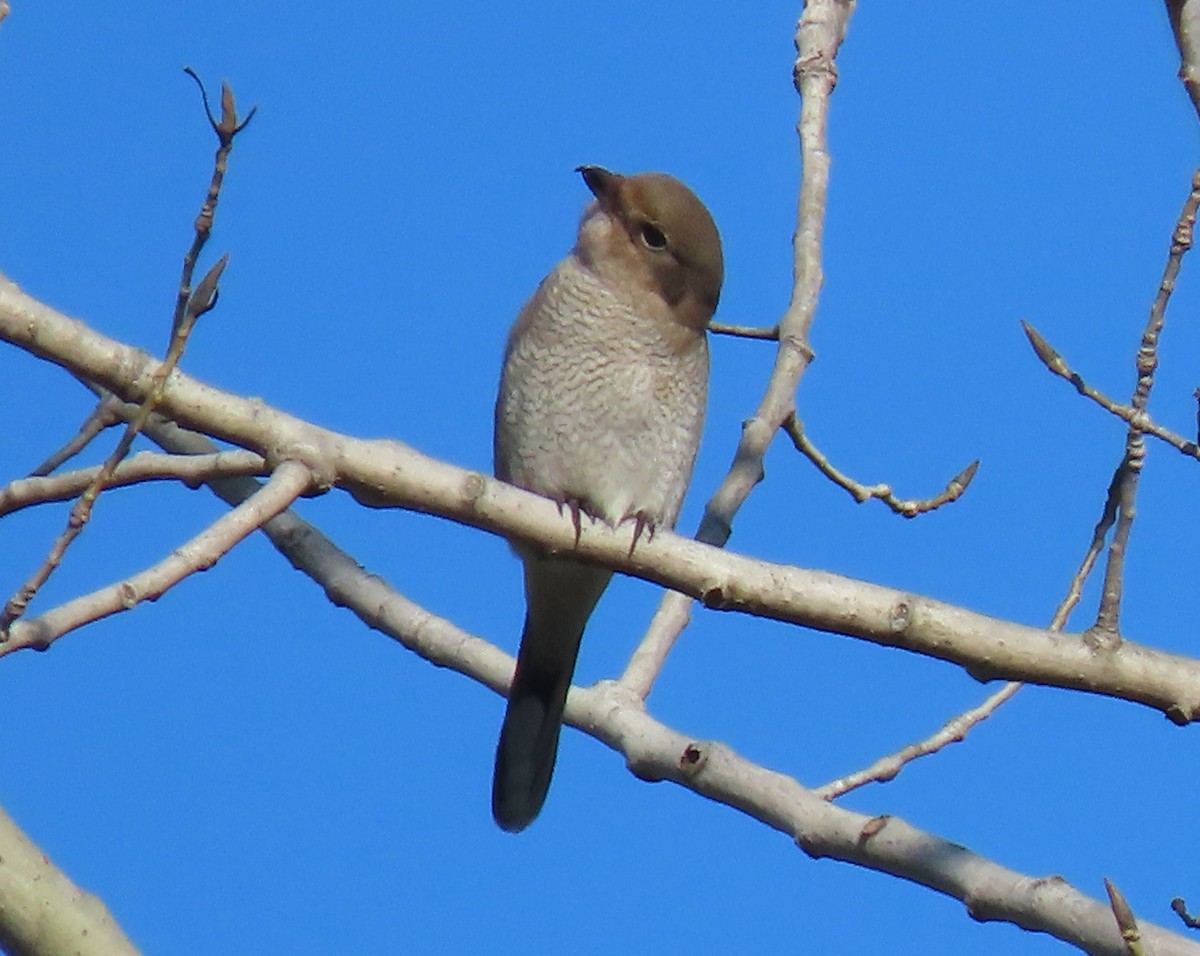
600,181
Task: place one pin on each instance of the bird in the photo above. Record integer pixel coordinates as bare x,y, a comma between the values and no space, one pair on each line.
600,407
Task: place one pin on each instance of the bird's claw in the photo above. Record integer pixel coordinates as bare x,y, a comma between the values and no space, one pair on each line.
576,507
641,522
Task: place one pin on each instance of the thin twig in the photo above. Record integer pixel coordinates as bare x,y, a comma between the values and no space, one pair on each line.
226,128
745,331
952,732
1185,25
191,470
100,418
1055,363
1180,908
190,305
288,482
956,729
1118,510
1108,617
907,507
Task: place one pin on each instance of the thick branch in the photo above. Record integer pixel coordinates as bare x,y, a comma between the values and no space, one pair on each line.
388,473
45,914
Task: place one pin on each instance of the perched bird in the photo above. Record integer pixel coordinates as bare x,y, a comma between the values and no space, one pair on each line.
601,405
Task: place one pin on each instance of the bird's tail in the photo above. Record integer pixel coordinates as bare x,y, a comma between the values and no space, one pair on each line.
560,594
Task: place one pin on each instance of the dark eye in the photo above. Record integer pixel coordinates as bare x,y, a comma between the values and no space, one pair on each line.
653,237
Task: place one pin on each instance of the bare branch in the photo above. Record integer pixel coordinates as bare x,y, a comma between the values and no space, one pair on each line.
1130,471
188,308
388,473
745,331
952,732
1055,363
819,35
1180,908
191,470
44,912
907,507
289,481
956,729
101,417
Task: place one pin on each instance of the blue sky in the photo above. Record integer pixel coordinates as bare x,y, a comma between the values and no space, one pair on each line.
243,768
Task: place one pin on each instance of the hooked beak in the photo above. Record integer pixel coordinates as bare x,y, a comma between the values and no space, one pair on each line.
600,181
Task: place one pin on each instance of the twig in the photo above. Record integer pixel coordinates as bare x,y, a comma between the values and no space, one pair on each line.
1180,908
191,470
907,507
1118,510
745,331
1055,363
101,417
956,729
226,128
1108,617
288,482
1196,396
190,305
819,35
952,732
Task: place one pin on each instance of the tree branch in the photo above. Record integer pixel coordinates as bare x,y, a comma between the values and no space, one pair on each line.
655,752
391,474
287,483
44,913
191,470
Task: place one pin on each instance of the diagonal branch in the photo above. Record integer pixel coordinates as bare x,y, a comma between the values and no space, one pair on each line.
1130,471
44,912
819,35
1141,420
288,482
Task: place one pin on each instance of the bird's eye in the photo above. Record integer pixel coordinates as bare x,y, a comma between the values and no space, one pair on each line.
653,237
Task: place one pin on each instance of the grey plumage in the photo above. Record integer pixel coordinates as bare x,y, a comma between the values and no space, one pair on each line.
600,407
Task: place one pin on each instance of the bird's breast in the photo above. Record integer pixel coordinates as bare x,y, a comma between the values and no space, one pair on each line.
598,403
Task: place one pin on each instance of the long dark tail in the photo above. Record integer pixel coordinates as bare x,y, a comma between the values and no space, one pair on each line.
560,594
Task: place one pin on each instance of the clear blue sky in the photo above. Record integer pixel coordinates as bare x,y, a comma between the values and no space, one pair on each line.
243,768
